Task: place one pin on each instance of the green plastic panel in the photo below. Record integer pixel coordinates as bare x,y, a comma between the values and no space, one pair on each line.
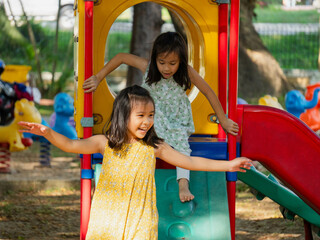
270,187
204,218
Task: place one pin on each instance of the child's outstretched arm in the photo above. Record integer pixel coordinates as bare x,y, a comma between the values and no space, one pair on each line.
90,145
92,82
168,154
227,124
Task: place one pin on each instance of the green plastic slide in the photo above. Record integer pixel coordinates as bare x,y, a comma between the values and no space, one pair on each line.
270,187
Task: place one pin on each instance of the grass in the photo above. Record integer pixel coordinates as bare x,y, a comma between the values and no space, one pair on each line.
294,51
273,13
297,51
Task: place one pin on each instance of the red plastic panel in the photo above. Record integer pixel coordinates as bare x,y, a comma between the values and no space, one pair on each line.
286,147
160,164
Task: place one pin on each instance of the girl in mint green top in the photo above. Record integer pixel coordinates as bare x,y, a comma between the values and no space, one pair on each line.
173,121
168,76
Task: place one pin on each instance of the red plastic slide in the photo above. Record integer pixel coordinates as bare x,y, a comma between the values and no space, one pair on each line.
285,146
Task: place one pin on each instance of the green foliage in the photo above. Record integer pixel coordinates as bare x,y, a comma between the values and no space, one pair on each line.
276,2
273,13
63,54
294,51
18,52
165,15
12,42
23,54
39,33
118,42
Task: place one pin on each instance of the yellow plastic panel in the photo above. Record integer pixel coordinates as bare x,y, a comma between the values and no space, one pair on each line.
200,18
15,73
79,94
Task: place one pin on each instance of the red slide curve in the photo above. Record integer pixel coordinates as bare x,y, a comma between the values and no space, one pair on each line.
285,146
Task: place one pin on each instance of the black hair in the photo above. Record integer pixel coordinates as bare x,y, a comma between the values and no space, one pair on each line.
169,42
118,123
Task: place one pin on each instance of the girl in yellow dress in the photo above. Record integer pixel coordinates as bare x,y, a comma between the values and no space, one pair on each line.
124,203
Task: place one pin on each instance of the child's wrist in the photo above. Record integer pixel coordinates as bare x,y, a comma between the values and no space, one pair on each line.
96,78
230,167
222,118
223,122
46,132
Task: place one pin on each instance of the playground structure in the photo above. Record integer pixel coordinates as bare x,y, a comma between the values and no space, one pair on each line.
275,138
312,116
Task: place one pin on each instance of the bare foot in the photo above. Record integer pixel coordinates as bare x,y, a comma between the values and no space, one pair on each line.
184,192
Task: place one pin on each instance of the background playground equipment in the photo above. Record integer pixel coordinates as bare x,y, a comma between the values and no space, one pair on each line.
2,66
15,73
10,138
7,100
24,110
270,101
241,101
207,28
14,106
45,146
4,158
63,111
297,104
312,116
12,88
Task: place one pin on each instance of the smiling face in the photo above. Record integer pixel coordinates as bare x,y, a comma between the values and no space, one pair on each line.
168,64
140,120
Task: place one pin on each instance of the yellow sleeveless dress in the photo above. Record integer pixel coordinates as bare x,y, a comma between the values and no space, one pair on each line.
124,203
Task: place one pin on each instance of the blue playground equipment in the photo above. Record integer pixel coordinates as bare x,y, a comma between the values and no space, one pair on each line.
63,108
297,104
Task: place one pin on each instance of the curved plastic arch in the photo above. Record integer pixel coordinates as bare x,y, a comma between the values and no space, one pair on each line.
201,24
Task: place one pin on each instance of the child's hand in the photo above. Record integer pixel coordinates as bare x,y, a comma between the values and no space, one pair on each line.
90,84
240,164
230,126
34,128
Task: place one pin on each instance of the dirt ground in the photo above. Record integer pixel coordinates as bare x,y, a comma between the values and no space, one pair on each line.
48,208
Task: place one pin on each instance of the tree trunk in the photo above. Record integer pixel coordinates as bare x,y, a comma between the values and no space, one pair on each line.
259,72
55,46
147,24
13,17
